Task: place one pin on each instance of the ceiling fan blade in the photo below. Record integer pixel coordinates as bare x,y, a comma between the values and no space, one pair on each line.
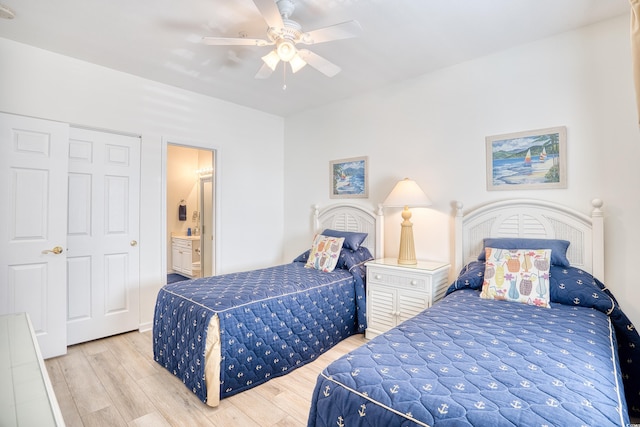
344,30
234,41
269,11
264,72
321,64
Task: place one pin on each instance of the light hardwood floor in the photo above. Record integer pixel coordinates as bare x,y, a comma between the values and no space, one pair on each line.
115,382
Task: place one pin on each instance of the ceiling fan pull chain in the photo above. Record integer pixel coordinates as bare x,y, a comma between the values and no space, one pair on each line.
284,76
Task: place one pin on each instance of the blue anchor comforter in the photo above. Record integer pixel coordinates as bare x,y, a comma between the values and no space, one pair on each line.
472,362
267,323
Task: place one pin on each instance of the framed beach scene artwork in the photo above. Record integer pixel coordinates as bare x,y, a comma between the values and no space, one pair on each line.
348,178
527,160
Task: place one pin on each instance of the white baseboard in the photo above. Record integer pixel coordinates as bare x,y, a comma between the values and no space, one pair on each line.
144,327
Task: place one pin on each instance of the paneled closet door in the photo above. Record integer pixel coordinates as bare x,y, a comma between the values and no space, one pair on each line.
33,225
103,229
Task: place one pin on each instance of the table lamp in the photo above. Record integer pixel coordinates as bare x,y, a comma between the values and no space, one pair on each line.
407,194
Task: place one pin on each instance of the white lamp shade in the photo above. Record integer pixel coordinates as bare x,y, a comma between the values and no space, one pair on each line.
297,63
407,193
271,59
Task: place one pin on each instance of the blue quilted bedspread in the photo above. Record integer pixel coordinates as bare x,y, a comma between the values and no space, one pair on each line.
475,362
271,321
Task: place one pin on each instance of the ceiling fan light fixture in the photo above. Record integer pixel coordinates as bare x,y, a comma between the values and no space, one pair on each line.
285,34
297,63
271,59
286,50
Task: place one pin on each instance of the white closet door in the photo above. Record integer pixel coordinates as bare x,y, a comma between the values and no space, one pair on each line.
33,225
103,229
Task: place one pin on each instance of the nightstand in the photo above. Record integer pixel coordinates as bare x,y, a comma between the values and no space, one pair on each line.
397,292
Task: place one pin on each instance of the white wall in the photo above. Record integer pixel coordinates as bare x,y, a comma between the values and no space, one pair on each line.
433,130
46,85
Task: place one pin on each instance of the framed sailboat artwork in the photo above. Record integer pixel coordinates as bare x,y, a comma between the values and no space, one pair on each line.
348,178
527,160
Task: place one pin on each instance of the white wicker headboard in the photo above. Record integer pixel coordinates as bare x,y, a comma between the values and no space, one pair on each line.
533,219
348,217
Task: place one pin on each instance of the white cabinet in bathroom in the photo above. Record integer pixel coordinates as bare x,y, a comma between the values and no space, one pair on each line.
185,255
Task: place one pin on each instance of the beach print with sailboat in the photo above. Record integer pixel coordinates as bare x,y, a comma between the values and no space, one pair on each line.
349,177
524,160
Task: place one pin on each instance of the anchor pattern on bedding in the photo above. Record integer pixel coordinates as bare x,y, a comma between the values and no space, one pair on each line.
575,287
271,321
468,361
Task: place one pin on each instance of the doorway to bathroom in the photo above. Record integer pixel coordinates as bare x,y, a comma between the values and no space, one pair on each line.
190,212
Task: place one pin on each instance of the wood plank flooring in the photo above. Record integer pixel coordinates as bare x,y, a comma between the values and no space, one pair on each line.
115,382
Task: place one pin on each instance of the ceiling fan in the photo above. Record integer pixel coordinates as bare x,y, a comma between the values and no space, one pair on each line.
285,34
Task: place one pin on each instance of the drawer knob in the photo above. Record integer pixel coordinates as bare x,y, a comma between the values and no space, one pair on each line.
414,282
378,276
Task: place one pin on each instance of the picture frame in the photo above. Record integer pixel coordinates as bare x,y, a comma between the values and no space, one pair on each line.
529,160
348,178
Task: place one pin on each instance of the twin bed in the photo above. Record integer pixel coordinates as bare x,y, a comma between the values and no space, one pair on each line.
225,334
465,361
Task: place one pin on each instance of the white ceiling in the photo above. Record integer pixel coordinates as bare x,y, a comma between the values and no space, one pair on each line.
401,39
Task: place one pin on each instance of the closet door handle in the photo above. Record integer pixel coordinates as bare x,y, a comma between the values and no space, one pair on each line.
133,243
56,250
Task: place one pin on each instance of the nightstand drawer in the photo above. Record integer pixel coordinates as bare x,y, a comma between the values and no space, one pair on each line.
401,280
